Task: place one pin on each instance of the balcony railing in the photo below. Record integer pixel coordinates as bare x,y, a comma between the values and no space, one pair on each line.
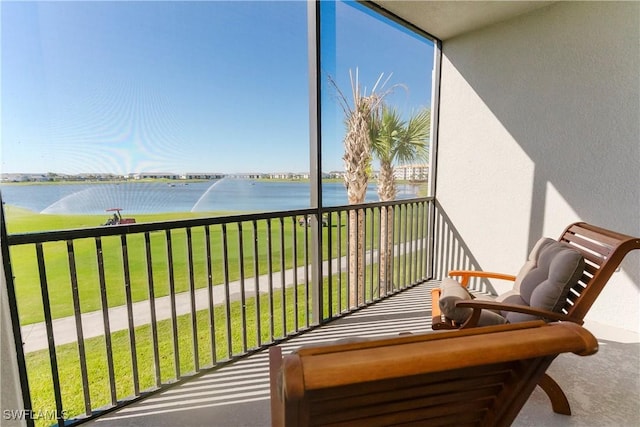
122,311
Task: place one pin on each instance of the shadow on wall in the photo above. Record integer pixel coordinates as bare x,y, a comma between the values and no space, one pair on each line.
568,92
452,253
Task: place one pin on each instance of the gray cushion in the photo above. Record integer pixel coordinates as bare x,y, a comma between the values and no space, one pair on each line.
532,261
451,292
488,318
546,286
516,317
503,297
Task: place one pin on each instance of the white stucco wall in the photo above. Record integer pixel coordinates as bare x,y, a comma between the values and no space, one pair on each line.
540,127
10,392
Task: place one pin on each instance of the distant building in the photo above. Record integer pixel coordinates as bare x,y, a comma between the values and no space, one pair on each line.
203,176
26,177
416,172
92,177
249,175
289,175
156,175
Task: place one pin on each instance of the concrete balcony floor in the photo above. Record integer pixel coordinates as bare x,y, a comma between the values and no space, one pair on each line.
603,389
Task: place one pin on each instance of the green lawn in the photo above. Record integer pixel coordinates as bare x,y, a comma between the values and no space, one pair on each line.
27,280
39,366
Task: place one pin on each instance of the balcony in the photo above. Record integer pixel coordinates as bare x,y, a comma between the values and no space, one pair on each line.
169,355
239,395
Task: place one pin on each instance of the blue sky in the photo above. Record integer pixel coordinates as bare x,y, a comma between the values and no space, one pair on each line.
175,86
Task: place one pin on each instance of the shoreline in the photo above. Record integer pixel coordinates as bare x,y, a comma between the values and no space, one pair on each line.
183,181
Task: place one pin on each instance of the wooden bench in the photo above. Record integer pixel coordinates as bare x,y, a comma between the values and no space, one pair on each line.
481,376
603,251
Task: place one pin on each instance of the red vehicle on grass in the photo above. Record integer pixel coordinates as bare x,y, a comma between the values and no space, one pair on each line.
117,218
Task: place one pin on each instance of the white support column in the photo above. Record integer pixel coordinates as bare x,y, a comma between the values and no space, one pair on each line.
10,390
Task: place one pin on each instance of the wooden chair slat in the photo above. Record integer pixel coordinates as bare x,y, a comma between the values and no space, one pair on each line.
596,247
394,394
608,237
594,261
428,407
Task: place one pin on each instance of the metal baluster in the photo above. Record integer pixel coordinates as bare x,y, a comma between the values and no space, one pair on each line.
80,335
172,299
132,329
283,283
192,300
306,275
212,320
227,296
256,279
419,242
46,306
395,244
330,264
105,320
152,309
243,302
371,254
294,256
340,262
381,291
405,251
414,242
270,275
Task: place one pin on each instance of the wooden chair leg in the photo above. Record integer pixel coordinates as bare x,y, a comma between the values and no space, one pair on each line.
277,406
559,401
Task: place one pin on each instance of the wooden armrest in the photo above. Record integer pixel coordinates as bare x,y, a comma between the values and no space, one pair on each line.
438,320
467,274
478,305
435,305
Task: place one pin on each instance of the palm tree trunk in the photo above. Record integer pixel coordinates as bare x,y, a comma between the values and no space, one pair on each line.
386,192
356,258
386,250
357,160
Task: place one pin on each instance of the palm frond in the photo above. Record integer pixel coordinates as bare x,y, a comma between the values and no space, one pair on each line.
415,138
385,132
342,99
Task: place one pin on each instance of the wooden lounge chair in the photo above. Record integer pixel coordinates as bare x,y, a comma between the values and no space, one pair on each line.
603,250
480,377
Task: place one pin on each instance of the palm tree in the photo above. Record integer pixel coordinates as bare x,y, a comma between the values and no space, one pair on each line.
395,141
366,109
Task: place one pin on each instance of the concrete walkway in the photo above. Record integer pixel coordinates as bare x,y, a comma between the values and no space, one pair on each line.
34,336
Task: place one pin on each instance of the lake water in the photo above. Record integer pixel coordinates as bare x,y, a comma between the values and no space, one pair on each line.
227,194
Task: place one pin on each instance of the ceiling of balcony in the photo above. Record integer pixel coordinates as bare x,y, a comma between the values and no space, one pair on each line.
447,19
